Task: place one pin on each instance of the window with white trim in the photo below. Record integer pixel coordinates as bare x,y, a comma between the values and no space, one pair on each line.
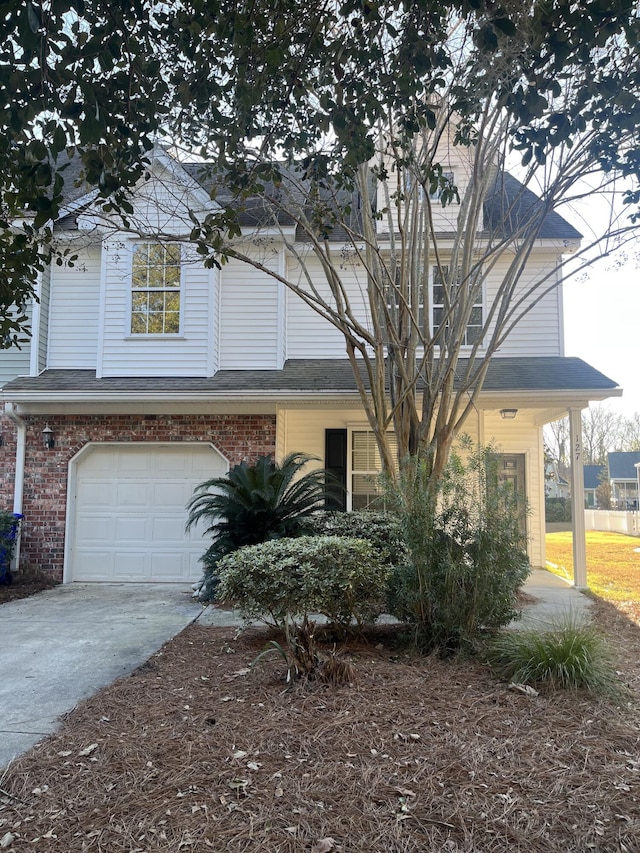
449,181
155,289
473,332
366,492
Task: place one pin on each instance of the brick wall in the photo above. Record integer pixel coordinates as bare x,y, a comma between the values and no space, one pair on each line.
7,462
237,437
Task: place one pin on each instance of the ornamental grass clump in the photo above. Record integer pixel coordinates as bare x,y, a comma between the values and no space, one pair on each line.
570,656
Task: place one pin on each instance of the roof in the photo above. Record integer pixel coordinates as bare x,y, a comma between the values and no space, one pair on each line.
508,202
322,376
593,475
622,465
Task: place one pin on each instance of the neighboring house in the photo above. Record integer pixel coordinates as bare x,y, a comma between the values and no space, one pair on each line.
593,477
148,373
555,485
623,479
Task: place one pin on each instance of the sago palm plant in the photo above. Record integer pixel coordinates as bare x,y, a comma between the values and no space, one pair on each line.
252,504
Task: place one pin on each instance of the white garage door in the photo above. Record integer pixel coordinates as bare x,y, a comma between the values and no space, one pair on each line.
129,513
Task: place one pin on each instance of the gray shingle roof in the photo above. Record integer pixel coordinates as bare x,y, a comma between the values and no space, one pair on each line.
508,204
315,375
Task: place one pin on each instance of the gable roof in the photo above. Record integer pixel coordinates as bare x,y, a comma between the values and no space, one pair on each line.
594,475
508,203
622,464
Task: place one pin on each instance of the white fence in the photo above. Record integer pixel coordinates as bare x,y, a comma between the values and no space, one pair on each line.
612,520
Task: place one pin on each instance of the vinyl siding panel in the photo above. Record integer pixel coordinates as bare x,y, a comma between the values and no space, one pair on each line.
43,331
185,354
453,159
539,332
74,312
15,362
308,334
250,325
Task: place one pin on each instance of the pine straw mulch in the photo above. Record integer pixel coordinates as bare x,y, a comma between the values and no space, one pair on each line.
25,584
194,753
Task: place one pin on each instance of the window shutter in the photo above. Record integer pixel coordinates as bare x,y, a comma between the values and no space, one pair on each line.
335,462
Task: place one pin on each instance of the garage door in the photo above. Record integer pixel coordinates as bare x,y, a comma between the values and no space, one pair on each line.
128,512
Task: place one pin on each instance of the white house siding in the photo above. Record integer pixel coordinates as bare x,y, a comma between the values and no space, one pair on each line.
308,334
43,328
522,435
451,158
539,331
15,362
250,325
74,312
187,354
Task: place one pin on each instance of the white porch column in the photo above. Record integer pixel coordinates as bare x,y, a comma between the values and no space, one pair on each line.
577,500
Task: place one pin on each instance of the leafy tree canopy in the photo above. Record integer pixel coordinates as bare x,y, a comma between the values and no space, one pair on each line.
102,80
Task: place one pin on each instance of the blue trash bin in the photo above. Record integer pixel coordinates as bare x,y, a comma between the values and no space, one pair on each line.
7,547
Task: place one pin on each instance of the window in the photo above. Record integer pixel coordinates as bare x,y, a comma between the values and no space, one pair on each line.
473,332
155,289
446,181
365,469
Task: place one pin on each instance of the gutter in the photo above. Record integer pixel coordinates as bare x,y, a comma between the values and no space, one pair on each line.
490,398
21,446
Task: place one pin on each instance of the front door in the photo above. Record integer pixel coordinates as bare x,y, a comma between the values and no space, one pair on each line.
511,471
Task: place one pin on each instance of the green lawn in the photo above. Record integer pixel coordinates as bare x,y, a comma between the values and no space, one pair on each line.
613,563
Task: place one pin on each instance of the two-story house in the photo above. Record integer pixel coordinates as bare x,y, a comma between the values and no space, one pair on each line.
148,373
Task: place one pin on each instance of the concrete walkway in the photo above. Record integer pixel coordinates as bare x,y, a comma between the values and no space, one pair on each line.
555,600
65,644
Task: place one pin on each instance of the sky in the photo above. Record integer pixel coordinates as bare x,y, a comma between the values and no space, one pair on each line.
602,326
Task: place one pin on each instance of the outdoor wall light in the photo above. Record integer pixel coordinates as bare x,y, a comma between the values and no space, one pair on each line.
48,437
508,414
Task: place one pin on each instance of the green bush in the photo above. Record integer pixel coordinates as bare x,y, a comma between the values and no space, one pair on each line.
382,529
280,580
557,509
570,656
252,504
467,550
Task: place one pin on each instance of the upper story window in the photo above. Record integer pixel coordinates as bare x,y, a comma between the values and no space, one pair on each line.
473,332
155,289
448,181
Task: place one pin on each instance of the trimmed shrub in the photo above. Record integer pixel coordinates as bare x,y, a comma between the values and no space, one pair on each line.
570,656
557,510
280,580
382,529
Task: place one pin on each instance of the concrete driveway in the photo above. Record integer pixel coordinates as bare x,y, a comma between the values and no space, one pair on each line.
63,645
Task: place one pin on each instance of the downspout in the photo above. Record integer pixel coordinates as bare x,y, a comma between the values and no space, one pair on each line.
21,446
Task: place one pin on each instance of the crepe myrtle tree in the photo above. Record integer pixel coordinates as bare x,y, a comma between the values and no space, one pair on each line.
347,119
